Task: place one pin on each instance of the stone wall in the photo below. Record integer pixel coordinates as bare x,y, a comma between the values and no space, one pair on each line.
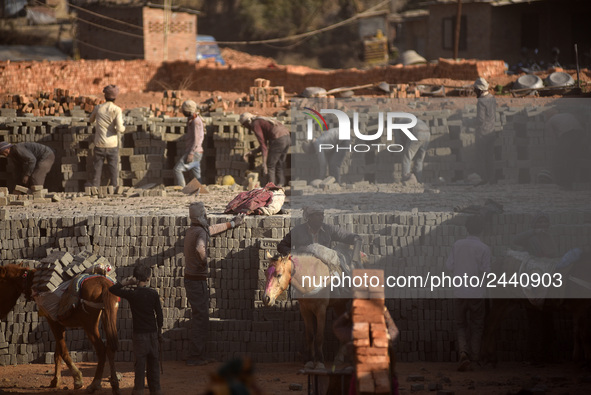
240,324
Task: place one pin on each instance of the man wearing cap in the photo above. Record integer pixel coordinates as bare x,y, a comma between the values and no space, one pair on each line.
32,160
274,141
195,251
109,122
415,151
334,159
486,108
314,230
191,158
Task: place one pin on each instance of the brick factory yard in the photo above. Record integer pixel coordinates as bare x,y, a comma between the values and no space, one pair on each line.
275,379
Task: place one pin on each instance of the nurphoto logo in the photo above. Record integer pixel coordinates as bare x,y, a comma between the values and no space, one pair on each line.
392,123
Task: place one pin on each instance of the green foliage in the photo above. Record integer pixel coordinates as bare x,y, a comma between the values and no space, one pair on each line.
278,18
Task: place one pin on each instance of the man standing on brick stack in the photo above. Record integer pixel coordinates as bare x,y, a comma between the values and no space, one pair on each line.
469,257
486,108
109,122
191,159
415,151
32,161
195,250
274,141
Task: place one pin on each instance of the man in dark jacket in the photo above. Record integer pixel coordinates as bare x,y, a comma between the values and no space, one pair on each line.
274,141
314,230
195,251
31,160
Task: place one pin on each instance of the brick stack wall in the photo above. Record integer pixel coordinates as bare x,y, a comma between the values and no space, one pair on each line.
240,324
90,76
151,147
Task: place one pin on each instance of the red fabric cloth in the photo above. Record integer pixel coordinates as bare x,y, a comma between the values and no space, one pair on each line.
248,202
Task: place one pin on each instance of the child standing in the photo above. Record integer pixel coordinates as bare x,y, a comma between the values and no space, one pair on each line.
146,312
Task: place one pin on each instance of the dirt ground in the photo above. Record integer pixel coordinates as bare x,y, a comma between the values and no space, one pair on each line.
416,378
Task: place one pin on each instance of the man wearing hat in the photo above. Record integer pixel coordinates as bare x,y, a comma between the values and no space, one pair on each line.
32,161
314,230
191,158
274,141
109,122
195,251
486,108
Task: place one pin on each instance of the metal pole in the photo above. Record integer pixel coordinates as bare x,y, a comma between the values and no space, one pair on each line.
457,29
577,61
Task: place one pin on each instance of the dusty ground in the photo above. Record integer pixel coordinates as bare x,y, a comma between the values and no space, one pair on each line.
507,378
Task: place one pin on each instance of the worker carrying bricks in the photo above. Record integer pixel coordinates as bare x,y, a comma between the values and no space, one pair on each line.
109,122
333,158
32,161
194,135
314,230
414,152
486,108
274,141
469,257
195,250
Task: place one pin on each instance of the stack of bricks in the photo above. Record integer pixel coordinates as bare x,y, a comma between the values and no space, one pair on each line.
59,266
399,243
23,196
264,95
60,102
370,335
404,91
170,105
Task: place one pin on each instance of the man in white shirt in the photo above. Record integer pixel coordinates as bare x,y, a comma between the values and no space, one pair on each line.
109,122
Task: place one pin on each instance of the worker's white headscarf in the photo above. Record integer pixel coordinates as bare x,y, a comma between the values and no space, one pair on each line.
198,215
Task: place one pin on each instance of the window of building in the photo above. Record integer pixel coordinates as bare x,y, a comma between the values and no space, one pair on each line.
449,31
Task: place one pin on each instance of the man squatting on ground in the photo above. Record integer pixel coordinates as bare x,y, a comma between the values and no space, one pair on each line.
191,158
109,122
195,251
32,161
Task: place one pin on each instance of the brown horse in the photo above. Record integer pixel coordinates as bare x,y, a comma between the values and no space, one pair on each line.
96,299
570,301
286,270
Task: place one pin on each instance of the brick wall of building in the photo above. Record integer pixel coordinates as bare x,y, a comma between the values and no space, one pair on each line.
180,40
478,32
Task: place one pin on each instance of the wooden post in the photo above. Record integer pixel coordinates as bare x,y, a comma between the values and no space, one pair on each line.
457,29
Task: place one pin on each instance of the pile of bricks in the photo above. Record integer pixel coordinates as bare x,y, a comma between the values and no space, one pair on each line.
370,336
59,103
60,266
23,196
264,95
